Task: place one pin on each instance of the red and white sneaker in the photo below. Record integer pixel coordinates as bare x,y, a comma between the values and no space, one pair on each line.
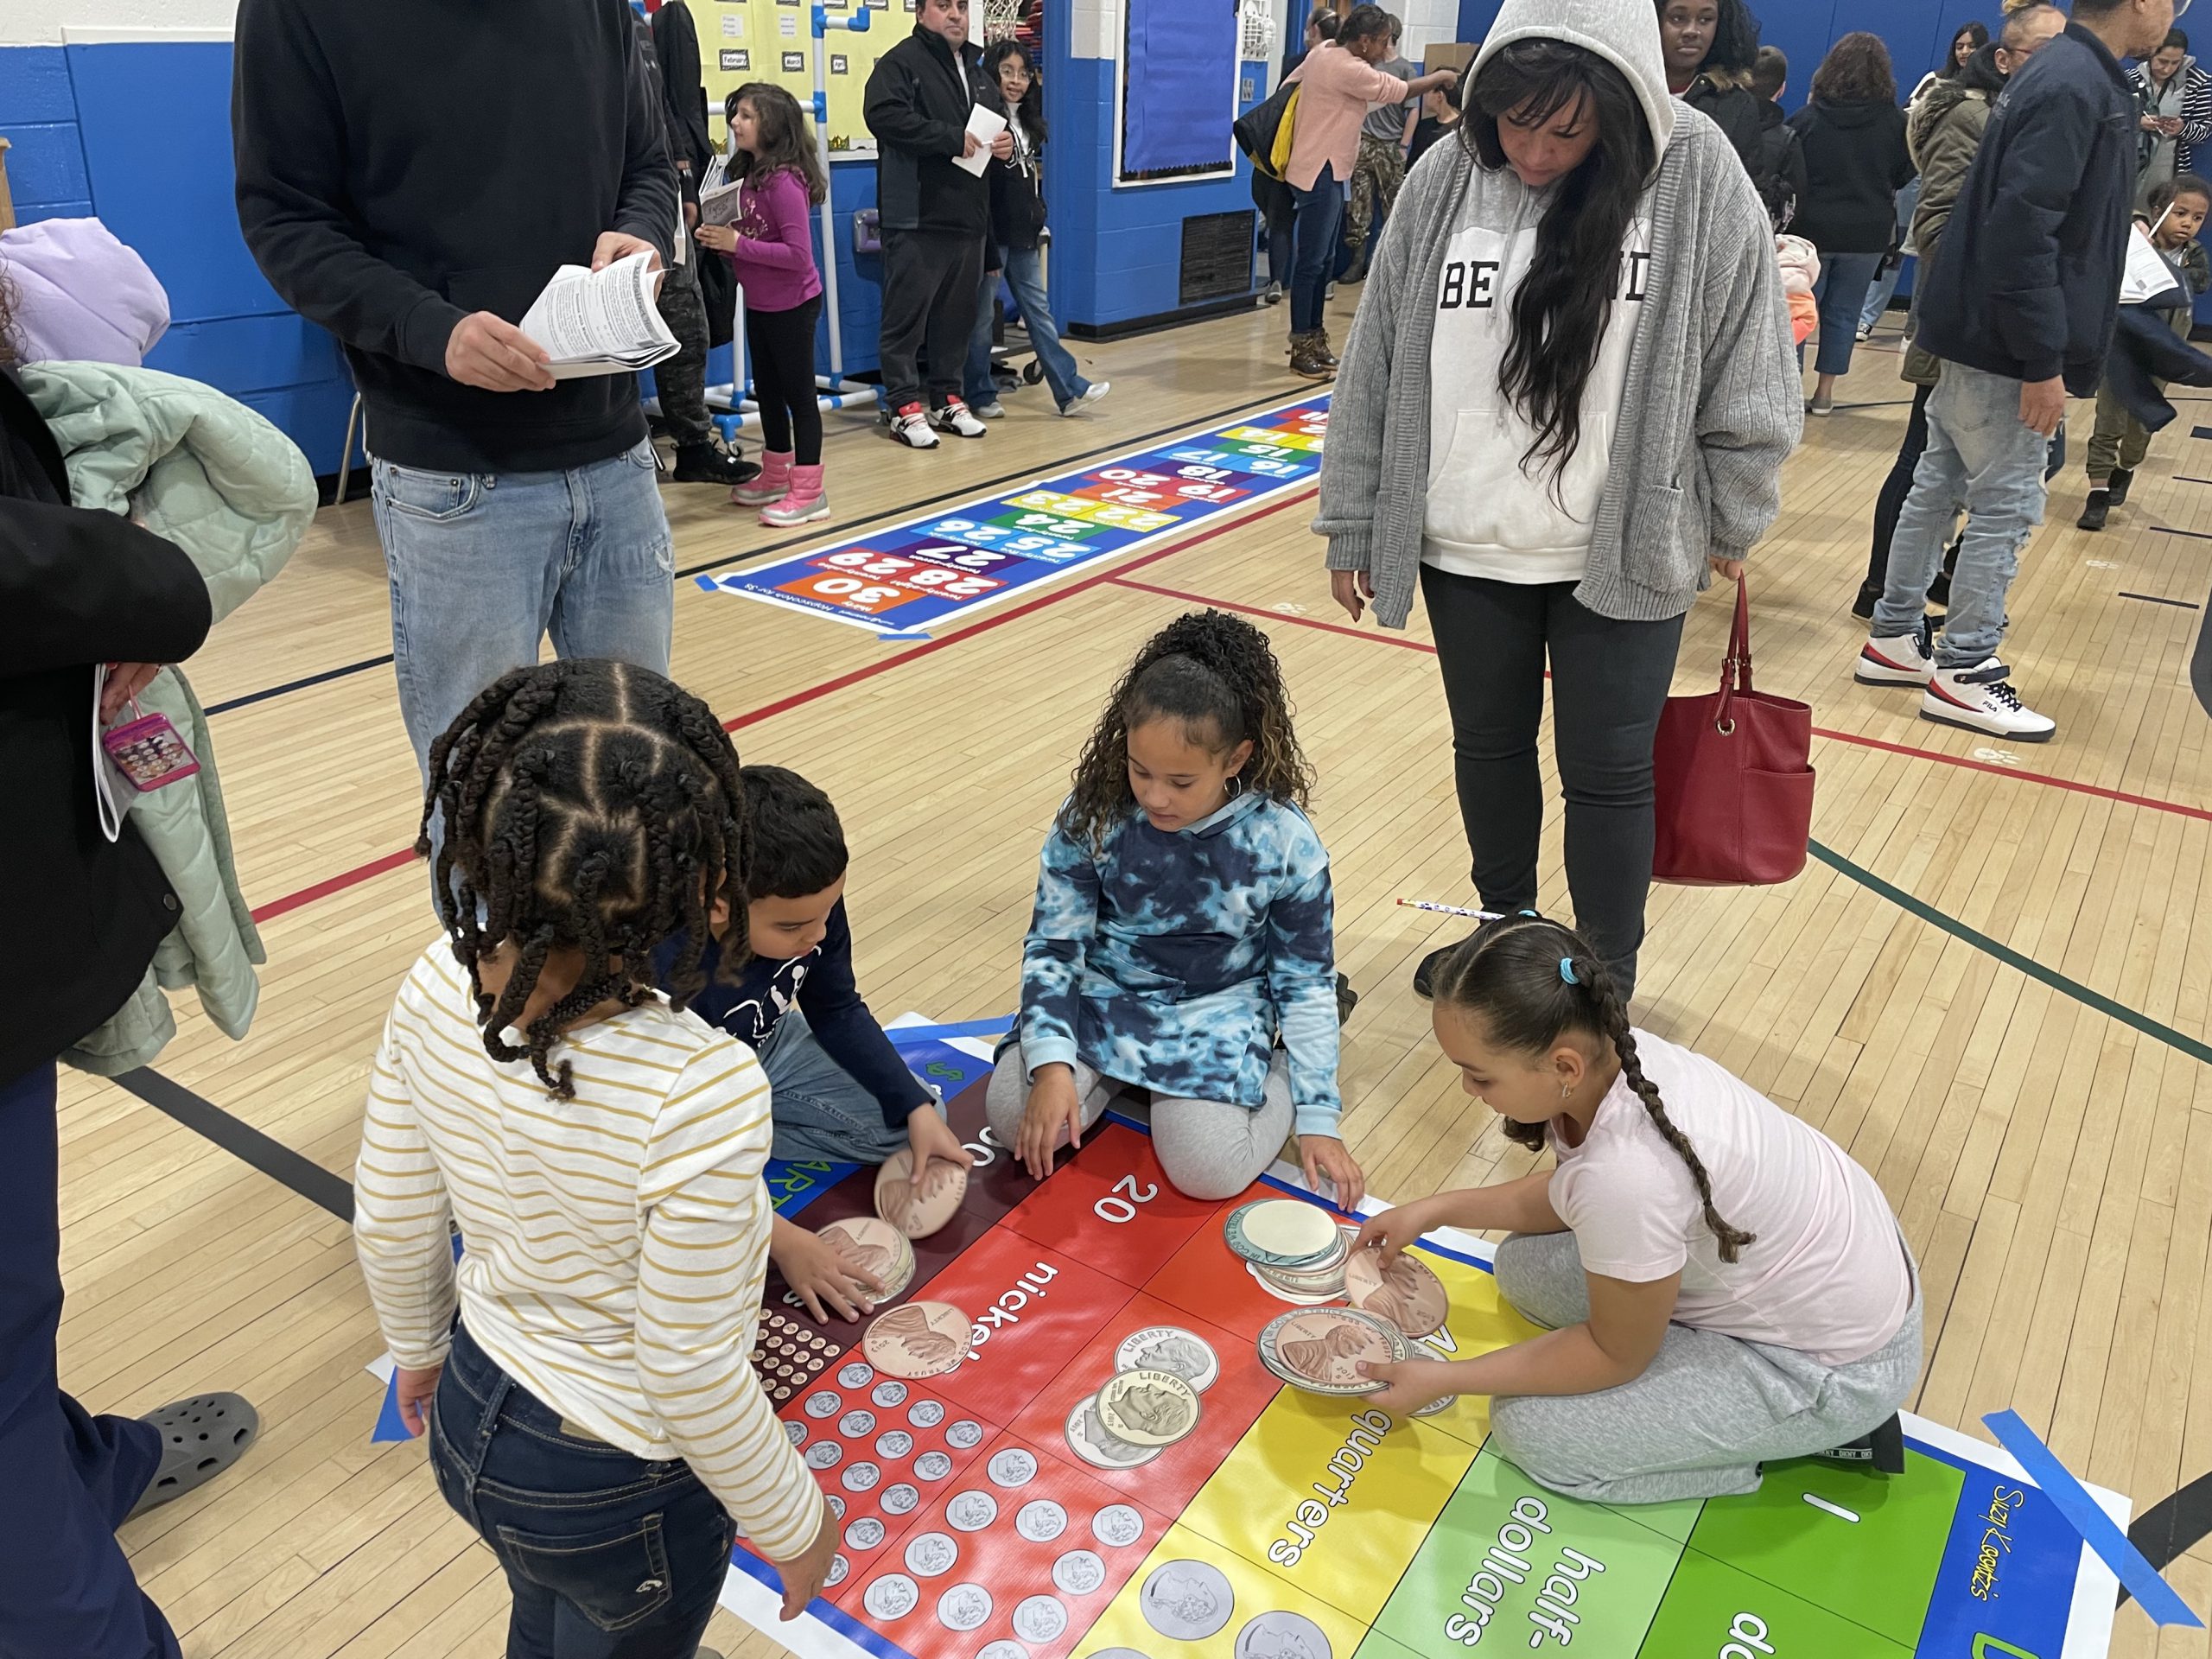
911,426
1898,659
1979,699
958,419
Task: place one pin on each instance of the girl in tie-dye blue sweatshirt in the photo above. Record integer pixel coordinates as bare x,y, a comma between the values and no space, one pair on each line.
1182,939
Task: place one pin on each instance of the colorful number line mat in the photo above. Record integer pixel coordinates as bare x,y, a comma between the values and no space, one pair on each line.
898,583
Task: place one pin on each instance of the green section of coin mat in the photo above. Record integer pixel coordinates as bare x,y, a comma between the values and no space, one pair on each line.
1878,1571
1672,1520
1710,1607
1457,1586
1379,1646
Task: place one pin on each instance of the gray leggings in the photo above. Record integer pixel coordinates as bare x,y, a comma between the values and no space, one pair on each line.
1209,1148
1707,1410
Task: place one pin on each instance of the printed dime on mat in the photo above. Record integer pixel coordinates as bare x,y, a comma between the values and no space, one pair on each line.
1148,1408
1096,1445
1186,1600
877,1248
1405,1293
918,1216
1322,1348
920,1339
1170,1348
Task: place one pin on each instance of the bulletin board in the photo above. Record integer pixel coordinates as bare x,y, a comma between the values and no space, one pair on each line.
773,40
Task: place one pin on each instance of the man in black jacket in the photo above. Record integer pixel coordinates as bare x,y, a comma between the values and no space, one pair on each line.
2019,303
935,216
391,192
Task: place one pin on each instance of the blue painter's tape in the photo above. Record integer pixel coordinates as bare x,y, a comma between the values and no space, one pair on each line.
388,1428
707,583
899,639
2099,1530
900,1036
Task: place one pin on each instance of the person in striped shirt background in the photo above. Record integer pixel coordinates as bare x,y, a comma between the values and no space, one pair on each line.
583,1371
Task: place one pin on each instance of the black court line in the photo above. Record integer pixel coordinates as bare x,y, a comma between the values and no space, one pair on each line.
2153,599
2167,530
973,488
2172,1526
272,1158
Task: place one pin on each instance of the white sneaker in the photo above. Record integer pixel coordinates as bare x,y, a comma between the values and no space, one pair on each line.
1096,392
958,419
993,410
1979,699
911,426
1899,659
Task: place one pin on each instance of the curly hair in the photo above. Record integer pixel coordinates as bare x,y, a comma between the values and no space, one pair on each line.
590,805
1508,976
1216,673
1856,71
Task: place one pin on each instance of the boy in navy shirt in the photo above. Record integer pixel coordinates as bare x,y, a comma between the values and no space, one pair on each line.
840,1092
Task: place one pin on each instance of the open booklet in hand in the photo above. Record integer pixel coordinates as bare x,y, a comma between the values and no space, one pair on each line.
600,321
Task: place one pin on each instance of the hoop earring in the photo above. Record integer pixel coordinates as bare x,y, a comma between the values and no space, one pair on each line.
1236,786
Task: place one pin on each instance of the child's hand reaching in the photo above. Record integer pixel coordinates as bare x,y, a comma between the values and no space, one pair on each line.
1413,1383
1325,1155
932,1138
1054,1106
1392,1231
820,1274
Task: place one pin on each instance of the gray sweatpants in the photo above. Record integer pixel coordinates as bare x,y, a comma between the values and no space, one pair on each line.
1707,1410
1209,1148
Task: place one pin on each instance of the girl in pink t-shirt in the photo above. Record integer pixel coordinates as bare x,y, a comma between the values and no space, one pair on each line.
1724,1285
770,245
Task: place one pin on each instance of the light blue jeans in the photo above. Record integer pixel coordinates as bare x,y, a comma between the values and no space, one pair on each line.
820,1114
1886,285
1025,274
1979,452
483,565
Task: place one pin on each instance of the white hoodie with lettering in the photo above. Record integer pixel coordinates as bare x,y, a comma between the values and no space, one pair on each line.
1491,513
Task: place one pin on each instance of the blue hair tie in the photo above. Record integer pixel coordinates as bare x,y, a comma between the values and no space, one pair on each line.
1567,970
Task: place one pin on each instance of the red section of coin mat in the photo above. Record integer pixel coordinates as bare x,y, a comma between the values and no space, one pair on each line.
1170,1480
1112,1208
1206,1278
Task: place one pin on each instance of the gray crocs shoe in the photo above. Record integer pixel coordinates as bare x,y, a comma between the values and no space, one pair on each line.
200,1438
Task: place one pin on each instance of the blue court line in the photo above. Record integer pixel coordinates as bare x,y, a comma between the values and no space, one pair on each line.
901,1035
2099,1530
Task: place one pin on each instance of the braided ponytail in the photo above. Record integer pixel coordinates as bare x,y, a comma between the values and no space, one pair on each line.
1532,981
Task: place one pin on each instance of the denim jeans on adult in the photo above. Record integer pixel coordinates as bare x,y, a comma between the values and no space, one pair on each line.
483,565
821,1113
1320,212
1841,293
1885,281
1609,681
1979,452
1024,271
608,1556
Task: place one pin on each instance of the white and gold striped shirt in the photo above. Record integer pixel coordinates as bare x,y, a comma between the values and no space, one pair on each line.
616,1243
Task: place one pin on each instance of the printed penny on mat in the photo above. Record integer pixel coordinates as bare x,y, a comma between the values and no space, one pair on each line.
1321,1350
1148,1408
919,1216
1405,1293
1185,1600
1098,1446
920,1339
1278,1635
1170,1348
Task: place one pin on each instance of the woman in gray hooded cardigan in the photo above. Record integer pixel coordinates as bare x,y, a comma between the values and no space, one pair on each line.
1565,403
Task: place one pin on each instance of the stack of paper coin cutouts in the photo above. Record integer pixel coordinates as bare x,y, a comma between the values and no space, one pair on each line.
1150,1402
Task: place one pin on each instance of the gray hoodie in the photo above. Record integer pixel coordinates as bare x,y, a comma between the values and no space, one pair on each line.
1712,407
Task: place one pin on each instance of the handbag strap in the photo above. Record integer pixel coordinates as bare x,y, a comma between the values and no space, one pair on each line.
1736,666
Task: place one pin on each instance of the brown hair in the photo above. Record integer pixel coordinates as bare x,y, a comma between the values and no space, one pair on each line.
781,135
1856,71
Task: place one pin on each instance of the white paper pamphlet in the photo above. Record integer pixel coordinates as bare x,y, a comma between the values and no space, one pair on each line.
986,124
600,323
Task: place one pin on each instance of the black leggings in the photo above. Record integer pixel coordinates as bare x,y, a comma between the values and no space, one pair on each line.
1898,485
1609,681
782,346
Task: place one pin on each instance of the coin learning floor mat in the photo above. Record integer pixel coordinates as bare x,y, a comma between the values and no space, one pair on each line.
993,1513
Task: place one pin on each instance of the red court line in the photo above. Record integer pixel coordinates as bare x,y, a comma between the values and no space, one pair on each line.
1853,738
377,867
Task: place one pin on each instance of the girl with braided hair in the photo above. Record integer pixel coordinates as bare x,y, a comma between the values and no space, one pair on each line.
1724,1285
584,1368
1182,940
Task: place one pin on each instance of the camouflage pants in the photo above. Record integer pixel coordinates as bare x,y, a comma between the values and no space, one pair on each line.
1381,170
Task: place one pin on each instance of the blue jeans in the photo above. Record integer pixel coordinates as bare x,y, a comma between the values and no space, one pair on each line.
67,1478
1886,285
1320,215
1025,273
482,565
820,1112
608,1556
1979,452
1841,293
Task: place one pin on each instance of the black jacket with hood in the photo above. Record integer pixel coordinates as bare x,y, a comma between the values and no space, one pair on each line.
1855,163
918,99
1725,95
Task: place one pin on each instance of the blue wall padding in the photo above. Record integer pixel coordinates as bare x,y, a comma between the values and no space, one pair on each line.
1180,59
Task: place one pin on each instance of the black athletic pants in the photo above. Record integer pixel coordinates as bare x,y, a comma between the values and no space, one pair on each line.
932,282
781,345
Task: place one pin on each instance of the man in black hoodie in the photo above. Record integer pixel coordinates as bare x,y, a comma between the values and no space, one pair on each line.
935,216
2019,303
391,192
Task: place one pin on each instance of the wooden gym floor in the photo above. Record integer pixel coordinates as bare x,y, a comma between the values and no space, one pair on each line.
2037,1118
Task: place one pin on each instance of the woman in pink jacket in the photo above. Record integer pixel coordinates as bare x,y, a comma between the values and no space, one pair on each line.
770,245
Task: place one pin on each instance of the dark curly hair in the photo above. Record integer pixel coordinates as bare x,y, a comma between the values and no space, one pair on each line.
1216,673
1856,71
590,805
1735,37
1507,976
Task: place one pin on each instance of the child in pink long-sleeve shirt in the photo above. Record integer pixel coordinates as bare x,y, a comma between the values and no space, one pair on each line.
770,245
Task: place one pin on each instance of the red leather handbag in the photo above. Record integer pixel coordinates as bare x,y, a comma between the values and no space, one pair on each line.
1734,778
